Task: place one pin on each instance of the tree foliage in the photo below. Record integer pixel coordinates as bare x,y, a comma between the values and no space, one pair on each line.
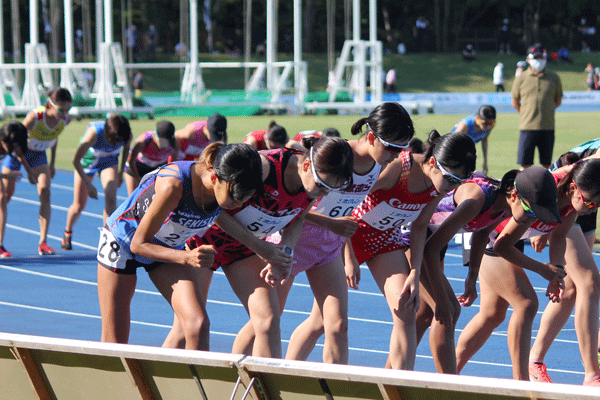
452,22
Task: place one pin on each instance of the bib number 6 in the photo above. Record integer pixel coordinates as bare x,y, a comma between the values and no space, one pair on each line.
337,210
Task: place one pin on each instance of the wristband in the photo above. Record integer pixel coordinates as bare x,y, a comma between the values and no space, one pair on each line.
288,250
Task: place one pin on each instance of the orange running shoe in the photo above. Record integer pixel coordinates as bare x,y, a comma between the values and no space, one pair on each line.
592,382
537,373
4,253
46,250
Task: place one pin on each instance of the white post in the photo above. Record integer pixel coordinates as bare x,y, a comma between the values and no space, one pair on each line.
1,30
270,43
356,20
372,20
69,32
297,42
194,34
33,18
108,27
99,30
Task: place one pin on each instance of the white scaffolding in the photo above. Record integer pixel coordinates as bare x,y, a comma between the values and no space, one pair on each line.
363,58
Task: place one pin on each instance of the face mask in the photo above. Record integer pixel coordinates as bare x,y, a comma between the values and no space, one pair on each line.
537,64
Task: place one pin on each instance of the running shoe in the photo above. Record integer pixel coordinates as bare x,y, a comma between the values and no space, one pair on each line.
537,373
4,253
592,382
66,241
46,250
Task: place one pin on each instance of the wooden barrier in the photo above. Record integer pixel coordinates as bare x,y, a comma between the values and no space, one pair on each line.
33,367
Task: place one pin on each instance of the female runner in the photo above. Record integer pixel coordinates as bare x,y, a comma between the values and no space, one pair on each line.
151,150
477,206
98,152
195,136
150,230
408,191
292,181
582,288
13,138
478,127
328,226
502,279
44,125
275,137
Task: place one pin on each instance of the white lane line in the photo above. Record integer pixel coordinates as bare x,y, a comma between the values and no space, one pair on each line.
70,189
227,303
53,206
155,325
26,230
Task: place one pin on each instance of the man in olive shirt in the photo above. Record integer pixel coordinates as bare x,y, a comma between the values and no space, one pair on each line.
535,95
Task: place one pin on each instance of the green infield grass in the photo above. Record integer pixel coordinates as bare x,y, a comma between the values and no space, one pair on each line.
571,130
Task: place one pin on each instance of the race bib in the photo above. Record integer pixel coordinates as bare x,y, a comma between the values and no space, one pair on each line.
335,206
40,145
384,216
260,224
110,252
176,233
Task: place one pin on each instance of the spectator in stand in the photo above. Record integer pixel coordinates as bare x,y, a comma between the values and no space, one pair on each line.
535,96
132,42
420,33
504,37
585,35
592,78
563,55
390,81
138,84
181,50
499,77
151,42
469,53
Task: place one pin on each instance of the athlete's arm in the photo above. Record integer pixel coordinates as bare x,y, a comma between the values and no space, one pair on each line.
131,157
268,252
289,238
479,241
89,140
168,192
343,226
187,133
124,155
470,199
461,127
504,246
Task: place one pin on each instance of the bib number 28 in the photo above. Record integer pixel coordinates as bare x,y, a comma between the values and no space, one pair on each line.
108,250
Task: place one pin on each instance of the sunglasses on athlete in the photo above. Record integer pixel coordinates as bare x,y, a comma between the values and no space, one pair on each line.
528,211
587,203
391,147
60,110
318,180
449,177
